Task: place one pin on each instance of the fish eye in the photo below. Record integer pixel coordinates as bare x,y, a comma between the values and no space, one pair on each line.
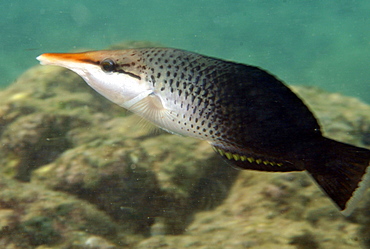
108,65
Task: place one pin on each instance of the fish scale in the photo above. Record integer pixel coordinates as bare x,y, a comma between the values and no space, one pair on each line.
184,92
250,117
203,103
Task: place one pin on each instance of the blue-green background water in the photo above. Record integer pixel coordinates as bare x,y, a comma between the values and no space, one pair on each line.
319,43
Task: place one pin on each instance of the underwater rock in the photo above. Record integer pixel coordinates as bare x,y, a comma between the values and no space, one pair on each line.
36,112
362,216
137,179
32,216
80,240
306,240
34,140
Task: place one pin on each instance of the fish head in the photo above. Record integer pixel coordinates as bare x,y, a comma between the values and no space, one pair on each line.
115,74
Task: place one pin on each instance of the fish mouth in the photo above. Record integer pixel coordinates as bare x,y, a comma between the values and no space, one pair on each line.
64,59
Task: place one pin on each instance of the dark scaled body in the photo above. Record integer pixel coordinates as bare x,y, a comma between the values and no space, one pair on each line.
249,116
254,121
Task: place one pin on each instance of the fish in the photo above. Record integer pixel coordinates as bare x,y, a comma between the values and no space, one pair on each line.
248,115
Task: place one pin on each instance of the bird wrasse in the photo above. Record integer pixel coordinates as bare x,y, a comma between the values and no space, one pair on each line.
250,117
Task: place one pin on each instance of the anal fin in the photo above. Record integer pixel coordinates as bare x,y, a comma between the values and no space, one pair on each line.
245,159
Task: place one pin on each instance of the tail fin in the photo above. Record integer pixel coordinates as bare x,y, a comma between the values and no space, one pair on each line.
342,171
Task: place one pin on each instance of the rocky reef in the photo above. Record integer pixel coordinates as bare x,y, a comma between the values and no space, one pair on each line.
80,172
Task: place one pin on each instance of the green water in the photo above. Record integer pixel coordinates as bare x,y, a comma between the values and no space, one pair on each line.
320,43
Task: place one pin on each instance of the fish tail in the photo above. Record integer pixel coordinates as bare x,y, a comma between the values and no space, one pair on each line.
342,171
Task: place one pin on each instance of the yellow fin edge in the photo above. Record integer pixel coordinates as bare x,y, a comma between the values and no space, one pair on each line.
238,157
